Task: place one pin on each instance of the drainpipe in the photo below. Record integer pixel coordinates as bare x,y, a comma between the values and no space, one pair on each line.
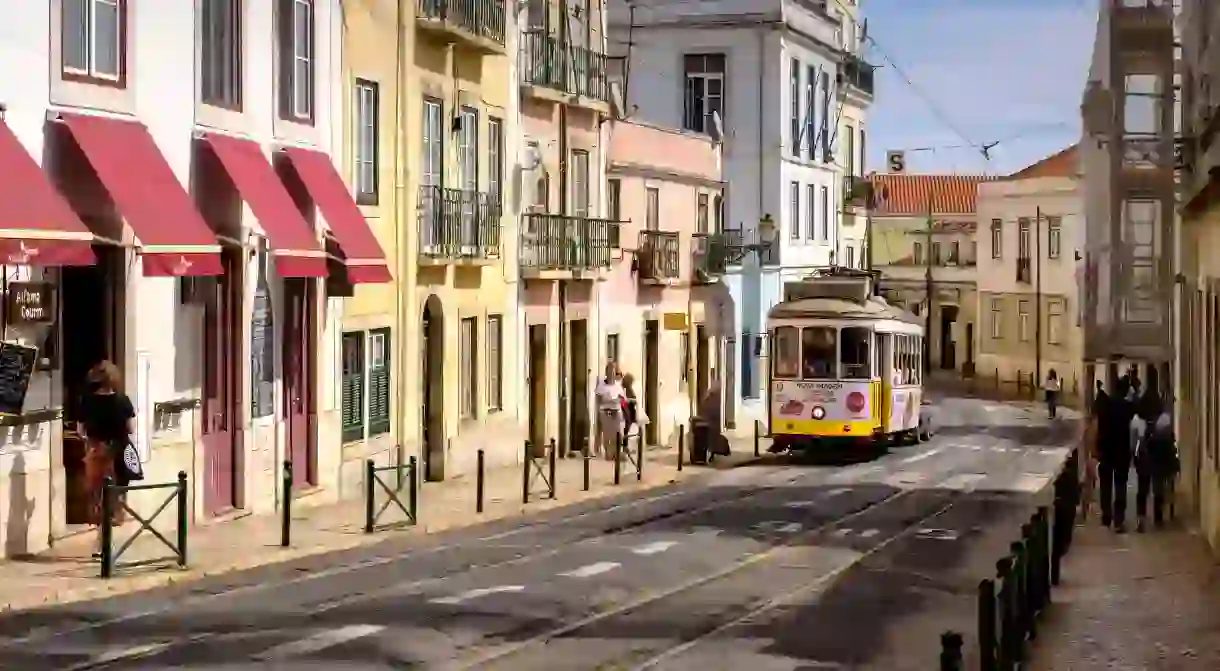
564,381
400,235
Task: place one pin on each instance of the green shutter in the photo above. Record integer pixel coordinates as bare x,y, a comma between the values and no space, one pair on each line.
353,386
379,387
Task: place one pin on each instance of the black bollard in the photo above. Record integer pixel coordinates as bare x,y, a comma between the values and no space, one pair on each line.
525,472
951,652
584,467
618,458
286,508
413,489
681,444
370,474
757,451
639,458
184,511
478,482
986,624
107,530
551,467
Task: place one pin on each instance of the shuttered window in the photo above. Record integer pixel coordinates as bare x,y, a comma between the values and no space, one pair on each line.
353,386
495,363
469,389
379,382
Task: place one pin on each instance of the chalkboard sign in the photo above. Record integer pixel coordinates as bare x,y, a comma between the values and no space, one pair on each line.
16,364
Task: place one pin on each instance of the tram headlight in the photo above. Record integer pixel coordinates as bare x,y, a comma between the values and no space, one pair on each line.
819,412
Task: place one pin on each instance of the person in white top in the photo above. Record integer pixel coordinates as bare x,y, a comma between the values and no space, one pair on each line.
609,396
1052,388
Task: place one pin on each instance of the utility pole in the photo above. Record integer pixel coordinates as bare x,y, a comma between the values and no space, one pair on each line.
565,391
928,290
1037,264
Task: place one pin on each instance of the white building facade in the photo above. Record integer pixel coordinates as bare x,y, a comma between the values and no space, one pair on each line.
766,79
175,156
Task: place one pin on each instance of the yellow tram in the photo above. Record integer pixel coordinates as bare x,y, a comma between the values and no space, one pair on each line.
845,365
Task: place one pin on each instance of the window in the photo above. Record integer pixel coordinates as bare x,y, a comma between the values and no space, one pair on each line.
379,382
94,36
366,101
469,388
1023,321
580,183
794,214
850,256
810,211
811,116
614,200
825,214
353,386
468,148
794,112
1053,237
652,217
786,352
220,51
718,213
296,40
434,142
997,318
701,214
955,252
936,257
612,347
495,161
997,239
1054,322
1023,238
495,363
703,90
542,192
854,353
819,353
849,151
824,133
917,254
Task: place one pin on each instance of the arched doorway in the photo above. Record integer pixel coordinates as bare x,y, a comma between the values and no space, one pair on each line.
432,372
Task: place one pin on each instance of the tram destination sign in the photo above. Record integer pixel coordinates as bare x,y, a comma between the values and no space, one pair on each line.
30,303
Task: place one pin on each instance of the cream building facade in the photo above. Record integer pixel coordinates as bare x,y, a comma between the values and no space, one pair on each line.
1031,226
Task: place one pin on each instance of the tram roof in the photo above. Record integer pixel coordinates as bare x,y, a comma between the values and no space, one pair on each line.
838,308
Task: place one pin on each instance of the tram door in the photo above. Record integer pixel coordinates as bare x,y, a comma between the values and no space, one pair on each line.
886,342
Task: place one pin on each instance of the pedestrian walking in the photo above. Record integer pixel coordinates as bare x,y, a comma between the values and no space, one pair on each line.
631,406
107,421
1114,464
610,425
1052,387
1156,458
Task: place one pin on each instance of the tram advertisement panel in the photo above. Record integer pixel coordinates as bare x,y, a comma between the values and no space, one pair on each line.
838,401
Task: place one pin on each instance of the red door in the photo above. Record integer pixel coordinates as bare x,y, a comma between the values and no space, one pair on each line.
221,437
298,369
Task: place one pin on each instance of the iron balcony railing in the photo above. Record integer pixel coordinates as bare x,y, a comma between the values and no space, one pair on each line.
858,73
740,243
481,18
547,62
657,254
709,256
458,224
563,242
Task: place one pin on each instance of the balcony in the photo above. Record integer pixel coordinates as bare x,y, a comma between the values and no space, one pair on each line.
657,258
856,192
458,226
1023,270
1143,26
556,246
564,73
709,257
477,24
857,74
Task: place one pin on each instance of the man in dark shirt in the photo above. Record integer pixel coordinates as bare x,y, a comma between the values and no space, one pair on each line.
1114,464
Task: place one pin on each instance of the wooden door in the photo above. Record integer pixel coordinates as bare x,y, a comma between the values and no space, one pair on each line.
537,384
652,380
578,369
298,367
221,413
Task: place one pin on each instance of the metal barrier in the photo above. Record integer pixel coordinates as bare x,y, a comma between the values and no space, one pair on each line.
624,451
113,494
1010,604
372,480
537,466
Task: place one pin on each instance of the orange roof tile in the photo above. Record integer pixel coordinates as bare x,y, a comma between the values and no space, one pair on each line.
909,195
1063,163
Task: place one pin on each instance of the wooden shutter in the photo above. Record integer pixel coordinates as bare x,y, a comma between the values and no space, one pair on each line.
379,382
353,386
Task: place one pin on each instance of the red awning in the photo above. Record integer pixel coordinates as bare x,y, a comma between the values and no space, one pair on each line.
361,252
37,226
297,250
174,239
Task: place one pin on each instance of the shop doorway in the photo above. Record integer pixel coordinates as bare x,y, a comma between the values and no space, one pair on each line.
300,415
91,318
222,298
432,371
652,379
537,383
703,363
578,367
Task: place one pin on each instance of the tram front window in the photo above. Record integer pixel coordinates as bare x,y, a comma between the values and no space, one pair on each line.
855,357
819,352
786,353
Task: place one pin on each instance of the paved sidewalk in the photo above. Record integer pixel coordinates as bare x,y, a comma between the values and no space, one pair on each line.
1143,602
67,573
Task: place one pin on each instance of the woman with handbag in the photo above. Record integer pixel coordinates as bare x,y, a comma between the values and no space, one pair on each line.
107,420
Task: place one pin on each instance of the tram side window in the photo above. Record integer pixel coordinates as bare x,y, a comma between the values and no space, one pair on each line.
906,359
855,346
819,352
786,352
917,368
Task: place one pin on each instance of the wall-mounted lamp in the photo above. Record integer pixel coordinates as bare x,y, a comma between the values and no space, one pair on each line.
3,109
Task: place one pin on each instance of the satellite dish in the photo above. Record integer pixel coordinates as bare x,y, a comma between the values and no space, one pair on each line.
717,128
532,157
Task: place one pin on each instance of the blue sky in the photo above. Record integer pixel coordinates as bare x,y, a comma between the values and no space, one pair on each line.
1009,70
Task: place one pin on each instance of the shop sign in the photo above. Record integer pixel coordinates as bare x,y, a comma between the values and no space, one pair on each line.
30,303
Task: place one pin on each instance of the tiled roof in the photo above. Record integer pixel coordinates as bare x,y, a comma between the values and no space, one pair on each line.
1064,163
910,195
